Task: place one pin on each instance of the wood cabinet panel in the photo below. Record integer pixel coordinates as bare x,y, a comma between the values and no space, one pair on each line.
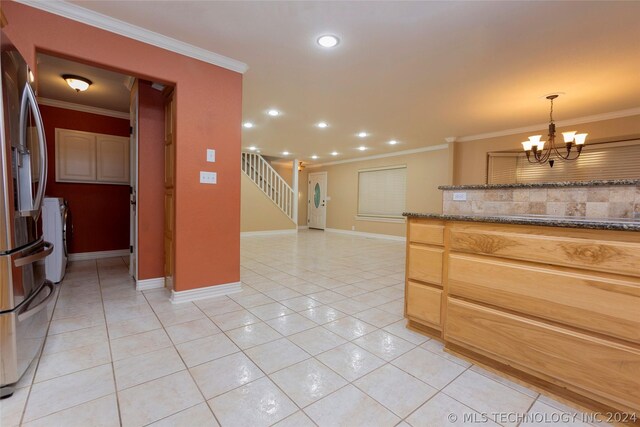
112,158
424,303
599,367
559,247
425,264
425,231
599,302
75,156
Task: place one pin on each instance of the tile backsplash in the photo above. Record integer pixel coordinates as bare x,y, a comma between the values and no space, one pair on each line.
589,202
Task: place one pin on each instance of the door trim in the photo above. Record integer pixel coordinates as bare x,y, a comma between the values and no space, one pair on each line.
326,187
133,176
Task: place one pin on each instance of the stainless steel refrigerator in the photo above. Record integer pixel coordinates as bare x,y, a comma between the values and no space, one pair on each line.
25,296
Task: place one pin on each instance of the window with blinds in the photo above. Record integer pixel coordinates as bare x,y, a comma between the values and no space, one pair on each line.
600,161
382,192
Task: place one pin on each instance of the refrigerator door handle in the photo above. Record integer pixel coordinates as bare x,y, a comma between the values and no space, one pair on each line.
29,100
24,312
48,248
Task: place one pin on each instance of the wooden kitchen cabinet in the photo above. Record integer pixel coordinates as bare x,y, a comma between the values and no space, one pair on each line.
557,307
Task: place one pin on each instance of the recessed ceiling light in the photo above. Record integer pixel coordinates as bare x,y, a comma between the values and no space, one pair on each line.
248,125
393,142
363,134
328,41
252,148
322,125
273,112
285,153
314,157
335,153
362,148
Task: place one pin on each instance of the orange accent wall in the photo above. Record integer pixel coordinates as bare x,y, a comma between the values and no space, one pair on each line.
99,212
150,181
209,115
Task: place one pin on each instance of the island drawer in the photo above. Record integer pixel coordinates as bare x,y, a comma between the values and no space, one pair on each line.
425,264
589,364
424,303
426,231
607,251
598,302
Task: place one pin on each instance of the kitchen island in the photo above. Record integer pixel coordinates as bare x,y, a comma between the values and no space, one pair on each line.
552,301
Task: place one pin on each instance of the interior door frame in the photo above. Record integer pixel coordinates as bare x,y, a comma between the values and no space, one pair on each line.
310,196
133,182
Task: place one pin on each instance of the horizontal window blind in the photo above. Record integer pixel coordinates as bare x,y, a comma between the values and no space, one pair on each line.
382,192
602,161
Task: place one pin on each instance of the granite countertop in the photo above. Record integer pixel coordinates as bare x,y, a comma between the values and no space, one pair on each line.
548,221
596,183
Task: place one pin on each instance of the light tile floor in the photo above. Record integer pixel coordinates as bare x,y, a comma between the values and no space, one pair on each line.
316,337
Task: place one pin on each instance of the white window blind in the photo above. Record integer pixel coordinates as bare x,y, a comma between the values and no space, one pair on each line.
601,161
382,192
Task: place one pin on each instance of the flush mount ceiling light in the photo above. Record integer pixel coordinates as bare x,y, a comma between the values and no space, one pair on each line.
248,125
314,157
362,148
362,134
322,125
534,148
252,148
285,153
79,84
393,142
334,153
273,112
328,41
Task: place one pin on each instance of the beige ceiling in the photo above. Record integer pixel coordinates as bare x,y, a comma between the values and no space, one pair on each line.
413,71
108,90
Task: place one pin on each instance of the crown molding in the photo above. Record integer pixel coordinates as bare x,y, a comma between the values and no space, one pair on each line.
83,108
559,123
107,23
382,156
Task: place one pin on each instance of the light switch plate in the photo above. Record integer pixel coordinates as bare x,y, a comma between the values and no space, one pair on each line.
208,177
211,155
460,197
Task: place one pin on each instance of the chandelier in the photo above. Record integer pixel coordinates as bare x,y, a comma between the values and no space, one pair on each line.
535,148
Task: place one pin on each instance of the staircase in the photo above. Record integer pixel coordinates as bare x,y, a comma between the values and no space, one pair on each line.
270,182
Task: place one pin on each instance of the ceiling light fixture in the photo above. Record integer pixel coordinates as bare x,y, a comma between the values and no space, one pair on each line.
322,125
252,148
541,155
334,153
248,125
79,84
328,41
393,142
314,157
362,148
363,134
273,112
285,153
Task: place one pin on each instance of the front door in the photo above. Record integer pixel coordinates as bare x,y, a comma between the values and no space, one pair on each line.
317,212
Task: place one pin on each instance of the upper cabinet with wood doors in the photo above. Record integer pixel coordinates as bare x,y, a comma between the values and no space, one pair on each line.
91,157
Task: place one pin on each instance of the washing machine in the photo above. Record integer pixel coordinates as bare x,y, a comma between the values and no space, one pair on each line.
54,227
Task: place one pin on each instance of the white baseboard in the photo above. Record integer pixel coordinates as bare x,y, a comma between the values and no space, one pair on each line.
83,256
368,235
146,284
268,232
303,227
208,292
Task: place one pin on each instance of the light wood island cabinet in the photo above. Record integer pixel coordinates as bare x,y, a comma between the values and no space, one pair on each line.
557,307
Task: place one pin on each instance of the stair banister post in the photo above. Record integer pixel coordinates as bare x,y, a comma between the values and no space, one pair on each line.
294,185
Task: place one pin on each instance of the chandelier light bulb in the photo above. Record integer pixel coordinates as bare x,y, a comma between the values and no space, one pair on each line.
527,145
568,136
580,138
